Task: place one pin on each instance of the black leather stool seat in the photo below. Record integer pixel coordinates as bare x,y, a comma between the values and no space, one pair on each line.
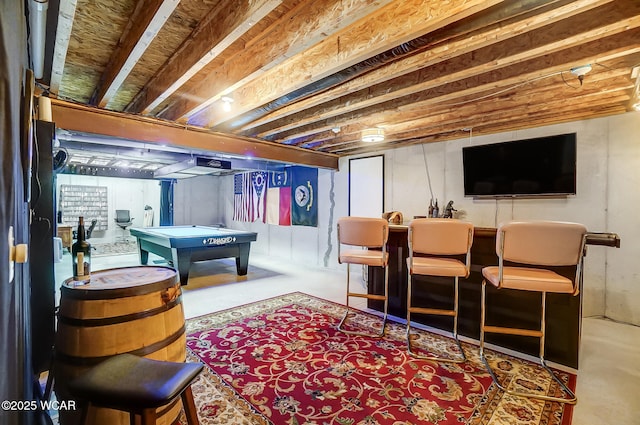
135,384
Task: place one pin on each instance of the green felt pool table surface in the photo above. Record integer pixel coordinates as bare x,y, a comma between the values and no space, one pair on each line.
183,245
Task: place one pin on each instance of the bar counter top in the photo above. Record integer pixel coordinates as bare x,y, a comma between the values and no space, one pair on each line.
593,238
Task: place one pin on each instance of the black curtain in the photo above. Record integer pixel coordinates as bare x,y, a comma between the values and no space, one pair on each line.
16,378
42,231
166,202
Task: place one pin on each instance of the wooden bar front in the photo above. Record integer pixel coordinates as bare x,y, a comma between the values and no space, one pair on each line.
505,307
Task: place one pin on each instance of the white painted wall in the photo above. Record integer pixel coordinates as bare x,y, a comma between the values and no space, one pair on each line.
123,194
196,201
622,293
608,178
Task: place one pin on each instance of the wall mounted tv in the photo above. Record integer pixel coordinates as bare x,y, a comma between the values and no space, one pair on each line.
544,166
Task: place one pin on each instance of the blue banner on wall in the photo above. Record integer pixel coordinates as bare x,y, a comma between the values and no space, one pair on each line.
304,188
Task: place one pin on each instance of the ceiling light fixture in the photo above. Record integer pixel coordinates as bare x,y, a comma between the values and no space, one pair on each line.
372,135
226,103
580,71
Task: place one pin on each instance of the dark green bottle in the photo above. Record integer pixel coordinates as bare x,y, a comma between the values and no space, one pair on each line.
81,255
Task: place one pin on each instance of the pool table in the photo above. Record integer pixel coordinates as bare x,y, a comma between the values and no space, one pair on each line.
183,245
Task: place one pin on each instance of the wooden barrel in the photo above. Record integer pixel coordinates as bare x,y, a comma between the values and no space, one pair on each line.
135,310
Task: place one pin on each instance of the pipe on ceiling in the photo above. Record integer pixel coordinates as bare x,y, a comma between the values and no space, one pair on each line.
37,34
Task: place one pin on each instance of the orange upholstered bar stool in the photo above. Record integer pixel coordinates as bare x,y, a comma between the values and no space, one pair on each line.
442,241
370,236
532,248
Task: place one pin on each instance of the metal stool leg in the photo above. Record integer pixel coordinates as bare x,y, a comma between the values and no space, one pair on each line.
454,313
571,397
384,298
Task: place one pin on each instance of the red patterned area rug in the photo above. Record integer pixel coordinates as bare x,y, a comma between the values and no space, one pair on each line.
282,361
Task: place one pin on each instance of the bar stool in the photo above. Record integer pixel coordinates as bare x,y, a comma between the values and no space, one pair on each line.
529,247
137,385
366,233
442,241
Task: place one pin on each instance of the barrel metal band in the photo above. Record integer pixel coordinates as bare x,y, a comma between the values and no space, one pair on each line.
140,352
106,321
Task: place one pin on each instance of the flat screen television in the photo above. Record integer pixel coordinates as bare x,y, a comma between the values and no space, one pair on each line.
544,166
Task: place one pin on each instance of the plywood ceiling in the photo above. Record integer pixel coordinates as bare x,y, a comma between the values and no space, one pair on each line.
314,74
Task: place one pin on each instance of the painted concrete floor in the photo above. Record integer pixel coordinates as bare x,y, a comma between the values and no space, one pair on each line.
609,374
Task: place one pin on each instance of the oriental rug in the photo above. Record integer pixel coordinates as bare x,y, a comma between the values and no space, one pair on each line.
114,248
282,361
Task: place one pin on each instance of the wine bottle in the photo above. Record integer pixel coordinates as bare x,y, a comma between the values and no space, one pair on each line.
430,210
81,255
436,210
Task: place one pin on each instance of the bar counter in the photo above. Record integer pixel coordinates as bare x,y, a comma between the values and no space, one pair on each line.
506,307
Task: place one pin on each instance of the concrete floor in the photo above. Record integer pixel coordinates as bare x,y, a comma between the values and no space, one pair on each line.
608,378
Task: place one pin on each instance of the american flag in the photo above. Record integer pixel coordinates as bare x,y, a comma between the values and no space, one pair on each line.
242,199
249,193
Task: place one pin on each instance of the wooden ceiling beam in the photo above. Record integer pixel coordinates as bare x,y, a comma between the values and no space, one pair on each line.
572,33
449,42
607,48
315,20
596,84
533,121
85,119
146,21
518,112
222,26
536,97
374,34
482,64
515,111
66,13
525,119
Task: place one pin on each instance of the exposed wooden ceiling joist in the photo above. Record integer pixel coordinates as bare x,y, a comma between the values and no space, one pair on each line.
310,76
369,36
476,87
450,42
66,13
146,21
510,52
314,20
218,30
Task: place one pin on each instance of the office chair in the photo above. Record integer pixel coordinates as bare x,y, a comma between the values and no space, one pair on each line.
123,220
